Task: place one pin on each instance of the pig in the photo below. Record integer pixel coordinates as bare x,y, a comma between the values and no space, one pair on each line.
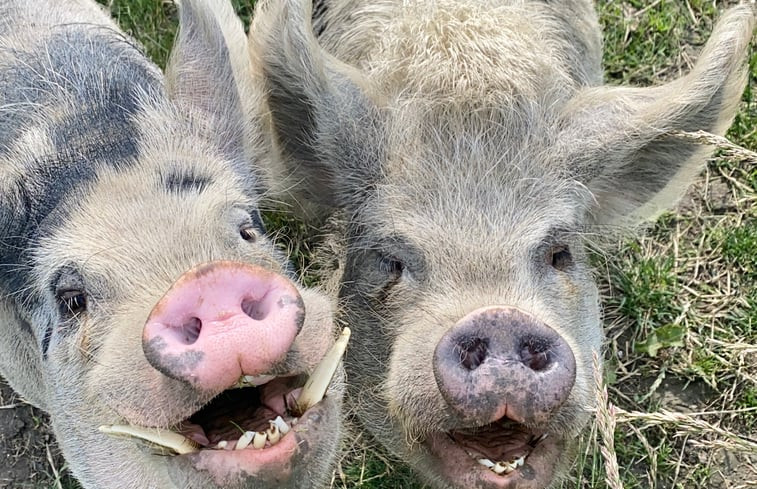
464,150
141,303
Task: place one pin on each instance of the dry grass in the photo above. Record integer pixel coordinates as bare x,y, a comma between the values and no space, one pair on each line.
689,410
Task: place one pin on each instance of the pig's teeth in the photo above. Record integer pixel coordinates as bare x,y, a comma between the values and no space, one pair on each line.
486,463
258,440
253,381
245,440
503,467
315,387
165,438
277,429
281,425
273,433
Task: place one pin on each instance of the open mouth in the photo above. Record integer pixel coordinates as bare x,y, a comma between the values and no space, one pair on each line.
257,413
250,416
502,453
502,446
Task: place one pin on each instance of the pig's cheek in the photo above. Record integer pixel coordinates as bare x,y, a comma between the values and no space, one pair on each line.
318,330
410,376
123,380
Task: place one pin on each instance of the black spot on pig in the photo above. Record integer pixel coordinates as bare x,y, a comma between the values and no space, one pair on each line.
89,123
46,341
527,472
33,86
319,12
181,181
175,366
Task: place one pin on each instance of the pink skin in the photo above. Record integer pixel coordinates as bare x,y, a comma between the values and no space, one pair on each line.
220,321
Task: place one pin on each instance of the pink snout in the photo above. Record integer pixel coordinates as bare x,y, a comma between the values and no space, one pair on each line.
222,320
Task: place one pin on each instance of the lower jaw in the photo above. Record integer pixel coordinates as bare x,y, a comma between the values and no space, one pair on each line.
270,467
460,470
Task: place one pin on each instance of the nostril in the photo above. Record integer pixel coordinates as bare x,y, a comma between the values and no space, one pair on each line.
190,331
535,354
257,309
473,352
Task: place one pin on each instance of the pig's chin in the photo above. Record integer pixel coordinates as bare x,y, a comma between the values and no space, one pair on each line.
503,454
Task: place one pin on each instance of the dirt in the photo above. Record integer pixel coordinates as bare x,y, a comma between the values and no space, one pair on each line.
25,441
735,470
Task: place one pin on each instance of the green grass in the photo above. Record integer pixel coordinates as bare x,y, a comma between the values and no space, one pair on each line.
695,270
369,468
153,23
643,44
737,247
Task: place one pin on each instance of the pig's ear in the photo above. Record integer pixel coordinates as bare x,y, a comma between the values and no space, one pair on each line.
619,142
20,359
326,126
209,77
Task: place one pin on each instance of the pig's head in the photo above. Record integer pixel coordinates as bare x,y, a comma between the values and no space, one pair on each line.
147,298
473,307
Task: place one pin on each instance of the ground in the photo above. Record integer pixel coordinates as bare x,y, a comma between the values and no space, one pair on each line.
680,303
28,454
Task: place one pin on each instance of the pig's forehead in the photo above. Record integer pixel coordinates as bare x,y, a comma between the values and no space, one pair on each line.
141,216
432,144
487,171
523,210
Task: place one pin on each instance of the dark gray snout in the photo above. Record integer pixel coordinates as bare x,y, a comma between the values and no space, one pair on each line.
500,361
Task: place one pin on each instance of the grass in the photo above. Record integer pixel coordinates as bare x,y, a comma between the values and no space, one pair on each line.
680,303
695,270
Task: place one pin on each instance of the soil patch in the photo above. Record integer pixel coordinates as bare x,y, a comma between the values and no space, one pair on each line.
25,441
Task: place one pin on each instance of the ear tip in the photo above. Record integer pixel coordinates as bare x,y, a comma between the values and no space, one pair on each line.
277,13
726,49
738,21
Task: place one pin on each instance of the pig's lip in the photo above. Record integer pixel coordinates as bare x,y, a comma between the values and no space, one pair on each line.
458,458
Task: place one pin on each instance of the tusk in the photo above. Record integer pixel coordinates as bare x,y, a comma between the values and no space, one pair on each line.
165,438
315,387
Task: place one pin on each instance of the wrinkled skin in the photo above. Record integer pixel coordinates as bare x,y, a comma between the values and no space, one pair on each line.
116,185
466,148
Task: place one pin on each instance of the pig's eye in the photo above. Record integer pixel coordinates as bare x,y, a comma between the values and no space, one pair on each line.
248,233
250,230
69,292
391,267
71,302
560,258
